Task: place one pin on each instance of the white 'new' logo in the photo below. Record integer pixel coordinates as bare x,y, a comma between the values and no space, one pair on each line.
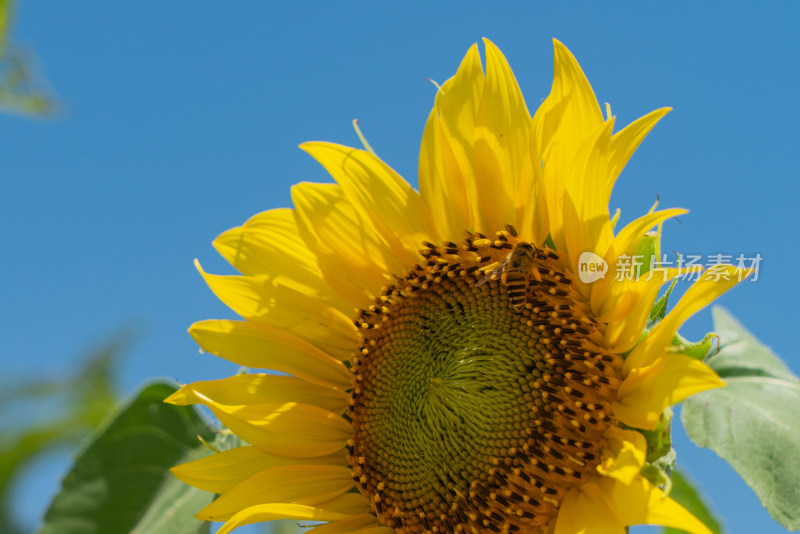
591,267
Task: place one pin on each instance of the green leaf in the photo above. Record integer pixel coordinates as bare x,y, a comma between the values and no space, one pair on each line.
120,481
684,492
176,502
752,423
741,354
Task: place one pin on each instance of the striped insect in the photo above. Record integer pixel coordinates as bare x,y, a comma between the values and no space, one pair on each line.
514,272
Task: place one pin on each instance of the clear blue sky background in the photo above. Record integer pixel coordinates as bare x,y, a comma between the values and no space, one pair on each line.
181,119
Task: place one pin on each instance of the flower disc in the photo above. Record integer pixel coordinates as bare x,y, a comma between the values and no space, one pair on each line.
470,412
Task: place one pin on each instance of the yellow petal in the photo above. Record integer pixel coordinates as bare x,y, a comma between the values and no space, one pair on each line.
248,247
624,456
269,244
352,504
395,209
432,180
259,300
286,429
262,388
647,391
569,113
266,239
641,503
627,300
267,347
533,213
561,124
366,524
273,511
353,258
584,510
624,331
587,225
222,471
624,247
625,142
698,296
446,180
457,107
501,142
311,485
569,80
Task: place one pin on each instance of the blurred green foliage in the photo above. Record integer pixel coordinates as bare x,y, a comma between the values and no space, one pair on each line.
22,89
41,414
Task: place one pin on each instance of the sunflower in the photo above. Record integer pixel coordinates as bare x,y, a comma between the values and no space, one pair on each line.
443,365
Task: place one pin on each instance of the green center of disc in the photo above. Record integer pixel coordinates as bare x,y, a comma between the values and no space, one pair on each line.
450,389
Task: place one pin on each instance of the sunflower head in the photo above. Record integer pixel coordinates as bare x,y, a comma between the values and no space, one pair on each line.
446,368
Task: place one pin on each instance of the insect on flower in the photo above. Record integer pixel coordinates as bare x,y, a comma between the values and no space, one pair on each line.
514,272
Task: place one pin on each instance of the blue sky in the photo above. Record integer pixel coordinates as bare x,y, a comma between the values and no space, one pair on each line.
180,120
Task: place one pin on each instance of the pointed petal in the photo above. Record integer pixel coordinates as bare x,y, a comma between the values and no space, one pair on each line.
269,245
366,524
222,471
711,285
350,503
569,80
251,247
641,503
259,300
624,331
285,429
446,180
587,225
625,245
501,141
353,258
624,456
533,213
397,212
312,485
244,389
647,391
569,113
584,511
271,512
625,142
432,179
561,124
262,346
